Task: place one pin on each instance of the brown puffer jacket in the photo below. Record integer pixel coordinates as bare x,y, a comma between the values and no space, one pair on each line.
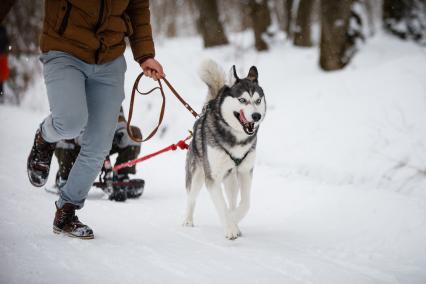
94,30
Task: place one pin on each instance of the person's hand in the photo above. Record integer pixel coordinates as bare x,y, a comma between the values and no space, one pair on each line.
153,69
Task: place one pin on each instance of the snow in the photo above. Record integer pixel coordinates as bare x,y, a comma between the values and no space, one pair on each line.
338,192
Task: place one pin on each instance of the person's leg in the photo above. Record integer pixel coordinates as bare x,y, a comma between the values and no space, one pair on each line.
104,94
127,154
66,152
128,150
65,79
65,83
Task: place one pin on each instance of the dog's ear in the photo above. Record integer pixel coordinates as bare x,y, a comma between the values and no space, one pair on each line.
233,77
253,74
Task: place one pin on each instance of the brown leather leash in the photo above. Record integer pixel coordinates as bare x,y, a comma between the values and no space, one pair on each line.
163,106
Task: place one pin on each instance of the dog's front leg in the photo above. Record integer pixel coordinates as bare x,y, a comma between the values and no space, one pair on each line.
231,229
244,179
231,189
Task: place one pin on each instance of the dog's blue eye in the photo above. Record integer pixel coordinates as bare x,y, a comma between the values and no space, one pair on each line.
258,101
242,100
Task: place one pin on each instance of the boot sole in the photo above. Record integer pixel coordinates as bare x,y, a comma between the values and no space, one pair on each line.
58,231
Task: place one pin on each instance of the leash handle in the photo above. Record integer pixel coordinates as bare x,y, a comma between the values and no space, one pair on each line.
132,100
163,106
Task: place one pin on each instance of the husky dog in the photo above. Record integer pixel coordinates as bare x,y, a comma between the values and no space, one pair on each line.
223,148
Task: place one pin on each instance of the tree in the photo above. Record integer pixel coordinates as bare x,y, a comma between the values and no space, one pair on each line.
261,19
171,23
288,10
335,15
302,31
24,23
209,25
405,18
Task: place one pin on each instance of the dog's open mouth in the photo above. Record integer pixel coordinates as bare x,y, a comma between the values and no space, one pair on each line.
247,126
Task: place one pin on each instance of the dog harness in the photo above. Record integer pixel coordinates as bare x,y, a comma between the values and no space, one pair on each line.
237,161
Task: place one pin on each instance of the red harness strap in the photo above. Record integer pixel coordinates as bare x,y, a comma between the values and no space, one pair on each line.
181,144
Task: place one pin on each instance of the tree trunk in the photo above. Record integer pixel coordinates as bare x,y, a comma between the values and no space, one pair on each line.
171,19
245,16
209,25
288,10
335,15
261,19
302,32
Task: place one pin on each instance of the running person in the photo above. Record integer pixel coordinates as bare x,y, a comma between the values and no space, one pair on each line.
83,43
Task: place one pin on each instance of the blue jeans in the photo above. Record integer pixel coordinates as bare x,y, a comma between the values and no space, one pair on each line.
83,98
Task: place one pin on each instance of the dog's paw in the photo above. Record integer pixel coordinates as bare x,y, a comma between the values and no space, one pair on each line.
188,223
232,232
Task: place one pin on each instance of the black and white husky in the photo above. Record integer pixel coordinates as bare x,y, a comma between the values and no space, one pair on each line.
223,148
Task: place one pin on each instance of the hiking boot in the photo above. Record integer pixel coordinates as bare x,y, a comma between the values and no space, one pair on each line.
67,223
38,163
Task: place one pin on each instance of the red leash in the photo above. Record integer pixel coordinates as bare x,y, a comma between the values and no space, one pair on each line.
181,144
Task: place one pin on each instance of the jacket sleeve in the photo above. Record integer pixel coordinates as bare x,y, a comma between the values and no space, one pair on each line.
141,40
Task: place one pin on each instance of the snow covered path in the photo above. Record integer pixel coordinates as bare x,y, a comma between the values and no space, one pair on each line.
312,220
298,231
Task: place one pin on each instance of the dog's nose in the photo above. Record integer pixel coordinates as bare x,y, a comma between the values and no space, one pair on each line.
256,116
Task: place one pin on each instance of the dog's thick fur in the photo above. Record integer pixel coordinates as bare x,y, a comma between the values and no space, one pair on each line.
223,148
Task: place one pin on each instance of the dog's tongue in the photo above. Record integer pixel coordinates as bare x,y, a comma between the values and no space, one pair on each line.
242,117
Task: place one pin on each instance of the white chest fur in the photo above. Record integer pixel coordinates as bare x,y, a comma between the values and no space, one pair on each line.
220,162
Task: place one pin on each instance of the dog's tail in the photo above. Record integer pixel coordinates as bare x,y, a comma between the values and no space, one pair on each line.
214,77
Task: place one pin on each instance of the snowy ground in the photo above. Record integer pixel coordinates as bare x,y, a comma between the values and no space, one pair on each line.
338,195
